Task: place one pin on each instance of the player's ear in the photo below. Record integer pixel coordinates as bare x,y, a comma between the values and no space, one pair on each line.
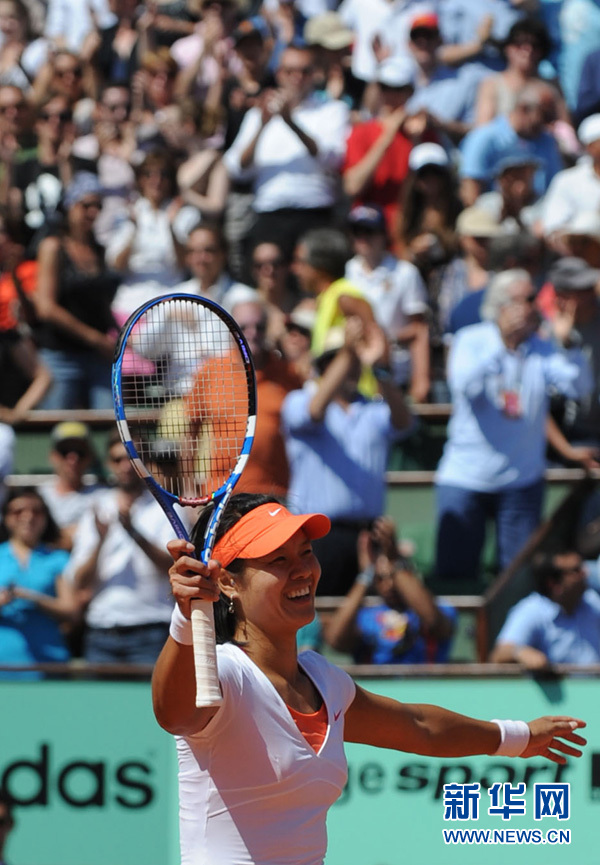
226,583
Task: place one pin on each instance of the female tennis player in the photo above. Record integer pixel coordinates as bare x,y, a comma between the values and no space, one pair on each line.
258,773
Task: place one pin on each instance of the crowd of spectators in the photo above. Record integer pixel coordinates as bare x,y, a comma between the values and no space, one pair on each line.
399,202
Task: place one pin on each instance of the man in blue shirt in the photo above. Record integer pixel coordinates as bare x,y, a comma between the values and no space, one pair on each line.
337,442
448,94
500,374
557,624
520,131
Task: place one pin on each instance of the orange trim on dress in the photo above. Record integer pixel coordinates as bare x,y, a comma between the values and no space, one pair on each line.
313,726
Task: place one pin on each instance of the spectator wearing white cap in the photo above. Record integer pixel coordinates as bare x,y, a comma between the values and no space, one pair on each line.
574,189
430,206
377,150
523,129
369,21
398,297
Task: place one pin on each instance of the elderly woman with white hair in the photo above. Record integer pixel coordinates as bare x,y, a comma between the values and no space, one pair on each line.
500,373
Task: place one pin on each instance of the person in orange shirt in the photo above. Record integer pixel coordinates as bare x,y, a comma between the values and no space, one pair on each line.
267,468
18,277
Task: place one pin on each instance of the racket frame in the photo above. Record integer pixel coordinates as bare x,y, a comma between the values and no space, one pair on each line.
208,690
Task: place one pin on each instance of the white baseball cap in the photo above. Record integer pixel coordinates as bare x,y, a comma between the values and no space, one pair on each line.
396,72
589,129
427,154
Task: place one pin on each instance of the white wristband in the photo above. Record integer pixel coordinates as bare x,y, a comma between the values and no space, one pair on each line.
514,738
366,577
180,628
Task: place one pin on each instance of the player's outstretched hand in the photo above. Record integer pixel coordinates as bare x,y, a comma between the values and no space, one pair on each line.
546,735
190,578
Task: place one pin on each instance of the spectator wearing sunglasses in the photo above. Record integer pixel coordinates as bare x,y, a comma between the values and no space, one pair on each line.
290,147
527,44
148,246
119,565
69,494
271,274
558,623
73,297
397,295
37,184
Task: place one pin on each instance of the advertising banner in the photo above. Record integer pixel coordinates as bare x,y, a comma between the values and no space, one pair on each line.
95,781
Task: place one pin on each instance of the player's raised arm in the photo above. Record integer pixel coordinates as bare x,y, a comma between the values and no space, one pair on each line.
173,681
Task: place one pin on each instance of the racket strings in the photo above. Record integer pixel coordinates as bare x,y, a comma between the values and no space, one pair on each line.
187,420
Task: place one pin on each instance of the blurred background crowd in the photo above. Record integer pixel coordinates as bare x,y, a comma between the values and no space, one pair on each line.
398,201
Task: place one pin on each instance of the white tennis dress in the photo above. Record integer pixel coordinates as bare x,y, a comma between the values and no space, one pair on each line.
252,791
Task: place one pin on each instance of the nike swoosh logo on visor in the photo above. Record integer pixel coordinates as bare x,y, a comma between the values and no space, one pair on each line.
274,513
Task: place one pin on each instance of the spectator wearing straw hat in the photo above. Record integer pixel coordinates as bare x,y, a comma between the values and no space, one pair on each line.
332,43
67,494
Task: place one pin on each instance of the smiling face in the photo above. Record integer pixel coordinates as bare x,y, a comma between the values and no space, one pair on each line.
274,596
13,21
26,519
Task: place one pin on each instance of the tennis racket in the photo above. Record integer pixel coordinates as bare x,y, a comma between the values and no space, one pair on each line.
188,428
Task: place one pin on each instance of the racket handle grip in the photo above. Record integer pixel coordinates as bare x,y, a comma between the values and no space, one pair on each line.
208,691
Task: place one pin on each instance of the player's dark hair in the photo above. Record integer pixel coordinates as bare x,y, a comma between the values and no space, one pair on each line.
237,507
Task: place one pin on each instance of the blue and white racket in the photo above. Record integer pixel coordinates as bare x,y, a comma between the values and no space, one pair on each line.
188,427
